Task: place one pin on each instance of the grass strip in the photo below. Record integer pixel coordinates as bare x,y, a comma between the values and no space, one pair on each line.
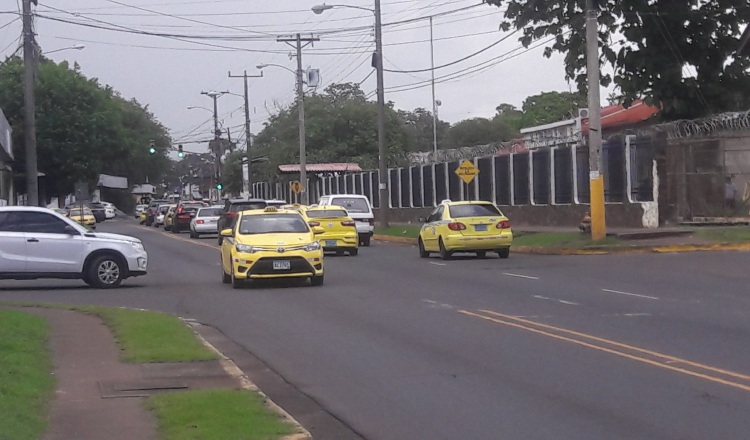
729,234
26,385
216,415
147,336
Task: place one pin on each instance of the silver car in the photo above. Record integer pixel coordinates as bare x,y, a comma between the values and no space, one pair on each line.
205,221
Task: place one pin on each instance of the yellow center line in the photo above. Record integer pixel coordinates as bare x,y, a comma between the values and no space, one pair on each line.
611,351
620,344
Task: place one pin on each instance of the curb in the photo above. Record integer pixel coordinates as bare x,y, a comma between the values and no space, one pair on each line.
605,250
246,384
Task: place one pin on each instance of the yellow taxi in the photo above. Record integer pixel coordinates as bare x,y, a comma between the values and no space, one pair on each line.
472,226
169,217
271,243
143,217
340,230
83,217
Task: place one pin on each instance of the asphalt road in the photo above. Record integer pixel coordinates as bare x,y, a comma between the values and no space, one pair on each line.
533,347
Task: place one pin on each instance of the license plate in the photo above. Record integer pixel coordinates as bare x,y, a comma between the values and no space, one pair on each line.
282,265
480,228
330,243
212,221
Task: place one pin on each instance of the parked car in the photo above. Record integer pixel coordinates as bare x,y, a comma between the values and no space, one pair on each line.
83,216
109,210
161,213
151,210
40,243
139,210
359,209
232,207
100,212
271,243
205,221
475,226
183,214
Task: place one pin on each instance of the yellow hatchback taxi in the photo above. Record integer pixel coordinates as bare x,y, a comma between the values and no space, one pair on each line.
340,230
474,226
83,217
271,243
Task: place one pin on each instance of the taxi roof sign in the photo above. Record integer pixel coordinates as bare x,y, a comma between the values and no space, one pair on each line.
467,171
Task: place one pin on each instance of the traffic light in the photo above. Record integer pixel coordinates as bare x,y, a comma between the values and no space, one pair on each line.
152,147
180,153
219,186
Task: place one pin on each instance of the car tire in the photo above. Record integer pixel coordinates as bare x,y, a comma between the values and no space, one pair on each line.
175,230
366,241
422,252
226,279
444,253
481,254
504,253
353,252
105,272
221,240
236,284
193,234
316,280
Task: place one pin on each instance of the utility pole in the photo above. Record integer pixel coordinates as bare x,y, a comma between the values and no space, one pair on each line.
434,102
29,105
247,186
298,40
596,178
385,202
217,134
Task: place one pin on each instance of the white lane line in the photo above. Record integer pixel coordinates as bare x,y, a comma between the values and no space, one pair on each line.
570,303
437,304
629,294
541,297
429,301
520,276
631,315
438,264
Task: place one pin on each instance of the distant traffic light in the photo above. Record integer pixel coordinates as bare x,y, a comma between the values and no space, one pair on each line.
152,147
219,186
180,152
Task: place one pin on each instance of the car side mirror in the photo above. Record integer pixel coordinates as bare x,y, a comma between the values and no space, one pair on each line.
70,230
226,232
318,230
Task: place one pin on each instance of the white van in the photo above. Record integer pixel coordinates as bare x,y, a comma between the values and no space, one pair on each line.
359,209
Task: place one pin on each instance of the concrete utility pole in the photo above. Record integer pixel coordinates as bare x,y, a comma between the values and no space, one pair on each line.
248,185
434,101
29,105
385,202
298,40
596,178
217,134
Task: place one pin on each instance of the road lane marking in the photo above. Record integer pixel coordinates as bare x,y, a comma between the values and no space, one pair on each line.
438,264
437,304
667,359
629,294
570,303
520,276
541,297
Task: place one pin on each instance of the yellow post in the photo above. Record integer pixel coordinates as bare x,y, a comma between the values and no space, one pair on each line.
598,225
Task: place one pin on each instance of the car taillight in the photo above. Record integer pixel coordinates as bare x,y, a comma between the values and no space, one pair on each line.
505,224
371,222
231,214
180,210
313,224
348,223
200,222
456,226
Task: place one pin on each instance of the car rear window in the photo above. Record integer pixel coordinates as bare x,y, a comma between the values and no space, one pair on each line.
236,207
327,213
474,210
191,207
351,204
209,212
272,223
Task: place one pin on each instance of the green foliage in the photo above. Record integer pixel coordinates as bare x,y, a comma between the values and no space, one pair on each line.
551,107
480,131
83,128
419,125
677,53
231,175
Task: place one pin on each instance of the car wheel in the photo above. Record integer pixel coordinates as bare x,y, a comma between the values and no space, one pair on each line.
504,253
175,230
366,241
444,254
481,254
226,279
236,284
193,234
353,252
422,252
105,271
316,280
221,240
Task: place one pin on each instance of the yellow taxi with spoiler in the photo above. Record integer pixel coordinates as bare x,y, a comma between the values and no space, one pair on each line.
472,226
271,243
340,230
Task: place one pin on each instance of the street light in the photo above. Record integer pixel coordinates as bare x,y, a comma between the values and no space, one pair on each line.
73,47
378,59
263,66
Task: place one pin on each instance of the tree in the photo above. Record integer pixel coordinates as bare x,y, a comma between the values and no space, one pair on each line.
419,125
510,115
479,131
676,54
83,128
551,107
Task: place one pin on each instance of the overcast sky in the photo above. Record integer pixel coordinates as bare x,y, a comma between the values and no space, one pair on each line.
205,39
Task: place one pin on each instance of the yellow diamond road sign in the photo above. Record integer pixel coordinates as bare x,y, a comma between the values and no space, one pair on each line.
296,187
467,171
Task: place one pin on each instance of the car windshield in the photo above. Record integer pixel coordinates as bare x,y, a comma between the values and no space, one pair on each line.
236,207
209,212
327,213
163,209
351,204
272,223
474,210
78,212
96,205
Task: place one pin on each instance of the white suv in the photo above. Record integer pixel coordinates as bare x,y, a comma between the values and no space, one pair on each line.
40,243
359,209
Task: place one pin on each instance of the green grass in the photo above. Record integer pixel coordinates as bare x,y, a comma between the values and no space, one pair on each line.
26,385
216,415
410,231
146,336
729,234
570,240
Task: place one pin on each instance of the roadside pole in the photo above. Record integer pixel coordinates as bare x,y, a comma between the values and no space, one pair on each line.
596,178
248,187
29,105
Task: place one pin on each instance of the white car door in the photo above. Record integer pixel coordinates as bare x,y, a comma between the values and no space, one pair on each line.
49,248
12,246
